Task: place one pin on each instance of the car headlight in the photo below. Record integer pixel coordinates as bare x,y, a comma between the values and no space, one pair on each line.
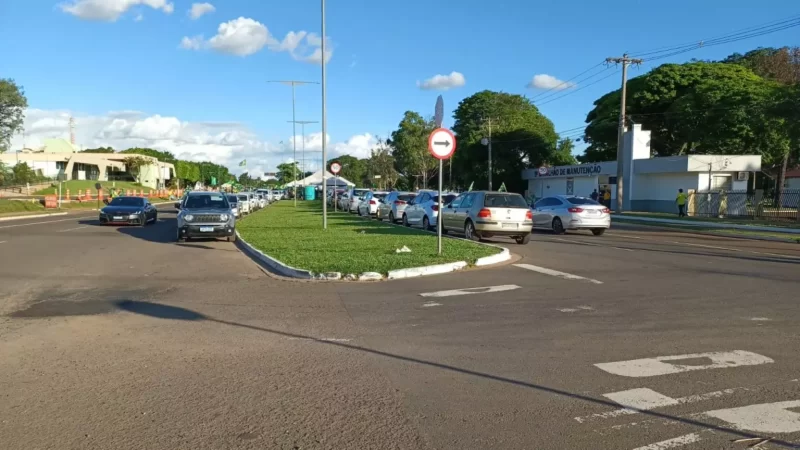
188,217
224,217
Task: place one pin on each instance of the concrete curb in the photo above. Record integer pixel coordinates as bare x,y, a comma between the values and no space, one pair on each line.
32,216
710,225
270,262
503,256
436,269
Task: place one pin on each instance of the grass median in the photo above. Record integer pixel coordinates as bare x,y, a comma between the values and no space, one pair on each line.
350,244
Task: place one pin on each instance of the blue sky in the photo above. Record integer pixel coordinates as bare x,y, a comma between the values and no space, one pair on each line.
88,58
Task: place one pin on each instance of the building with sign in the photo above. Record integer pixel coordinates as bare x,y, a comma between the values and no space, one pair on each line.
650,184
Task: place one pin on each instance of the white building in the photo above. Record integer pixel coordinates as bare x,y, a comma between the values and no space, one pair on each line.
650,184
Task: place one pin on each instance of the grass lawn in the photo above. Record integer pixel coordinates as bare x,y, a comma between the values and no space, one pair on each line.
729,220
75,185
350,244
10,207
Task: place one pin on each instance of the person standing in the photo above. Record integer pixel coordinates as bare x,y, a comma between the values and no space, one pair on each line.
595,195
680,200
607,198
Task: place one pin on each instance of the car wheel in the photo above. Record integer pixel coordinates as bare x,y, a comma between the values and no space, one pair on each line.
470,233
426,224
405,221
558,227
391,217
155,218
144,222
598,231
232,238
180,238
523,240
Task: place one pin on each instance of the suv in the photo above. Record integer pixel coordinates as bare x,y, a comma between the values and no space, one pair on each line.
206,214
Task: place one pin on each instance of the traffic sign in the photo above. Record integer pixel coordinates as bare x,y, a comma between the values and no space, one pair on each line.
336,168
543,170
442,143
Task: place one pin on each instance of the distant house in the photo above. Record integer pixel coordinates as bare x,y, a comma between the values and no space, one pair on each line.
59,159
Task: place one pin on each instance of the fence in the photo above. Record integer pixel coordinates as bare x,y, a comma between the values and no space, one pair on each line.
745,205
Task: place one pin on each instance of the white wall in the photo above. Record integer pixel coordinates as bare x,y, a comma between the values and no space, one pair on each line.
584,186
663,186
543,187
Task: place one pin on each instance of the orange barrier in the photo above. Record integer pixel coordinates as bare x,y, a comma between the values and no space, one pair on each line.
100,195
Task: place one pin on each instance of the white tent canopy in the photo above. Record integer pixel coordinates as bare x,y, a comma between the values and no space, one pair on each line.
315,179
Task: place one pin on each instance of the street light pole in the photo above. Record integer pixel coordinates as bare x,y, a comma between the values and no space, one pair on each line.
303,124
324,124
293,83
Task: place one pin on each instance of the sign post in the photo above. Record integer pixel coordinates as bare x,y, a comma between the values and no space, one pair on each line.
442,145
335,169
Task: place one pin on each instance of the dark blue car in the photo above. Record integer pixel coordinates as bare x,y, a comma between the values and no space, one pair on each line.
129,211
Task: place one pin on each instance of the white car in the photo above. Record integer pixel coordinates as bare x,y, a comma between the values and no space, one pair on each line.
370,202
423,210
356,195
243,204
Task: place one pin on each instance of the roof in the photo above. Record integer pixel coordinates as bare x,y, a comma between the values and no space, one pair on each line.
793,173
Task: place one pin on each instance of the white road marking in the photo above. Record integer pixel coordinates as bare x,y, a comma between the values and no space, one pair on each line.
568,310
660,365
468,291
679,441
762,418
706,246
760,319
555,273
430,304
3,242
624,235
319,339
592,244
643,399
41,223
73,229
586,308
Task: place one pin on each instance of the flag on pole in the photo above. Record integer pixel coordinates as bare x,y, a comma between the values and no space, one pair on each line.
470,186
502,188
243,163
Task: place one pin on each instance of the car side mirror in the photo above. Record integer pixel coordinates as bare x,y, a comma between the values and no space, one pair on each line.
178,205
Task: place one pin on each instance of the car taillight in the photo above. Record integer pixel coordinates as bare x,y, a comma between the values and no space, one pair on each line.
529,215
399,202
373,202
435,207
485,213
606,210
575,210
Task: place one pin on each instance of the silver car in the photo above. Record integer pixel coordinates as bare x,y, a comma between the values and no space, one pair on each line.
393,206
206,215
485,214
568,212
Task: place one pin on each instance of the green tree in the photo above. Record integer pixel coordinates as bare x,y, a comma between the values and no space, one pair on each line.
162,156
133,165
98,150
522,137
22,173
287,172
5,175
381,163
410,144
353,169
12,109
563,156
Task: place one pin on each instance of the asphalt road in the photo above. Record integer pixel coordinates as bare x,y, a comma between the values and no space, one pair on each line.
120,338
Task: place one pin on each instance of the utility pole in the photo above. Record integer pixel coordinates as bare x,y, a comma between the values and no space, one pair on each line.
324,123
625,61
293,83
488,142
303,124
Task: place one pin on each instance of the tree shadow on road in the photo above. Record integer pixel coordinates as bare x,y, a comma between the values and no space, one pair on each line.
160,311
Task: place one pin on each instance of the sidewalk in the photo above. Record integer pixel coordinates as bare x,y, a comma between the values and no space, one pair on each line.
710,226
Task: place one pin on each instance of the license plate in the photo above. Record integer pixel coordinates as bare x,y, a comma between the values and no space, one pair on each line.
206,229
592,211
118,218
510,225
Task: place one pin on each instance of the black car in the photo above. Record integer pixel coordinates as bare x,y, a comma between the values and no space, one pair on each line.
129,211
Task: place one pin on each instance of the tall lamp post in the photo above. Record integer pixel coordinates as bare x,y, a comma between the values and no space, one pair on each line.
324,124
303,124
293,83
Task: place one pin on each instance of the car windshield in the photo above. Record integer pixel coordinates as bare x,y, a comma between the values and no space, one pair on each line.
207,201
379,196
581,201
243,198
406,197
233,199
126,201
504,201
447,198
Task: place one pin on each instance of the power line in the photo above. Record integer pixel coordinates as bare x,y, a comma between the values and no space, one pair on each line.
571,89
579,89
566,82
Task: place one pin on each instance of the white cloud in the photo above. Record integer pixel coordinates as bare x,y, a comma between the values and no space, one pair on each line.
443,82
245,36
225,143
110,10
200,9
544,81
139,17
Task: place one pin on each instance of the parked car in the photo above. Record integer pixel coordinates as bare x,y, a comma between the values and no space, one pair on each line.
484,214
262,201
233,200
393,206
128,211
354,199
244,204
423,210
369,203
206,214
567,212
